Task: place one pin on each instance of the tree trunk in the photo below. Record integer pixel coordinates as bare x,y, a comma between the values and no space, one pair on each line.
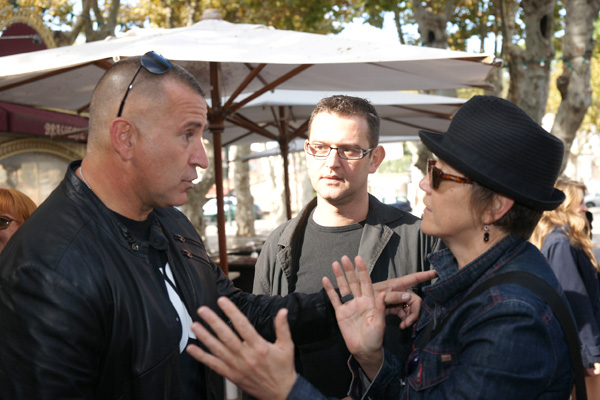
398,23
539,32
305,191
574,83
192,12
276,180
168,14
244,212
197,195
100,28
514,56
432,27
495,77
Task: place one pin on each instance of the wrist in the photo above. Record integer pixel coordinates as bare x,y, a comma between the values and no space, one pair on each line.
370,363
287,385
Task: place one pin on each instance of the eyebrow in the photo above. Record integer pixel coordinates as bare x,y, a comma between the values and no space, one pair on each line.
358,146
198,125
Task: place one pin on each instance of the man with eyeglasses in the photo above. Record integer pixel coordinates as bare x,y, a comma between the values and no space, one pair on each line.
99,288
343,219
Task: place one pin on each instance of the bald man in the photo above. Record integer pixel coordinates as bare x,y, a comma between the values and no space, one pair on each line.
100,286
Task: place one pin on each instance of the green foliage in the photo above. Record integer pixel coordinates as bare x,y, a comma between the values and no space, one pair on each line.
54,13
318,16
592,118
397,165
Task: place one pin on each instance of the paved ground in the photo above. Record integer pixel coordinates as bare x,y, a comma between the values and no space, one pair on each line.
263,228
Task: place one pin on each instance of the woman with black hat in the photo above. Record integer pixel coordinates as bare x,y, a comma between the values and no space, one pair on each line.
475,338
493,178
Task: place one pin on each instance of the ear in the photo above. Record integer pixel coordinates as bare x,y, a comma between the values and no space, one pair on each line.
122,136
500,206
376,158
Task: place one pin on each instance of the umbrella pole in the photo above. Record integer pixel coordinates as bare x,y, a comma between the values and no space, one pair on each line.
284,148
216,126
286,177
220,195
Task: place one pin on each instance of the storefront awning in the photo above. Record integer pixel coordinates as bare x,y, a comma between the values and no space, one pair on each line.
38,122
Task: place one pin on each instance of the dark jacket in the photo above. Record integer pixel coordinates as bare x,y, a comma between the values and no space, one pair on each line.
392,245
504,343
84,316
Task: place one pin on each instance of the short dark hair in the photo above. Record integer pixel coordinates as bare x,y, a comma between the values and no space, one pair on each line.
519,221
348,106
113,85
176,72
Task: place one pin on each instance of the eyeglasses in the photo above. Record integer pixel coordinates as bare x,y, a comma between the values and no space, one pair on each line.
5,222
321,151
436,175
153,63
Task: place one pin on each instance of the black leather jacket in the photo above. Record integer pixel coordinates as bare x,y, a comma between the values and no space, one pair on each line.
84,316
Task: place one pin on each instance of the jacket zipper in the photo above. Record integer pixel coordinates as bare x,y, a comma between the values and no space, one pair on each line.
182,239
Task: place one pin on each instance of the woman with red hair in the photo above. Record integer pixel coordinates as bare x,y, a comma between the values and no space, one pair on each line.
15,208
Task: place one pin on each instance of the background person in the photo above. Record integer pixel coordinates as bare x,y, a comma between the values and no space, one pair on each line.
15,208
484,196
342,150
563,237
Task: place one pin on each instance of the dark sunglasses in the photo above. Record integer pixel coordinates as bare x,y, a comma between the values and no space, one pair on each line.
153,63
436,175
5,222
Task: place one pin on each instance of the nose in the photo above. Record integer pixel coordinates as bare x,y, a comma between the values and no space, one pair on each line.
333,158
583,208
199,157
425,185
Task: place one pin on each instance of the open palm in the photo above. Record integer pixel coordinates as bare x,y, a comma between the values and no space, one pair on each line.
361,320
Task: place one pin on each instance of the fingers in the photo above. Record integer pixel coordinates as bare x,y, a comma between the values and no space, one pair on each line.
331,293
380,303
226,345
353,282
365,278
223,347
282,329
406,282
340,278
213,344
240,322
405,305
397,299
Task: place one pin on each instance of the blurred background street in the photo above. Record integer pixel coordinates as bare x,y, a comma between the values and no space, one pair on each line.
596,230
241,265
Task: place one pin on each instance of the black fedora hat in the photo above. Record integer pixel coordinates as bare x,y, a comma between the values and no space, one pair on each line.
496,144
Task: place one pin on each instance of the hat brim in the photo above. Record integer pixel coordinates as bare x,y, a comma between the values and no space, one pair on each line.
433,141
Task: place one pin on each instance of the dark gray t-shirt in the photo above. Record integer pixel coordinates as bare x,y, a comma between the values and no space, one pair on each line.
323,245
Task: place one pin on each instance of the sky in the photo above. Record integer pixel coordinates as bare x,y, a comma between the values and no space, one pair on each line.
360,31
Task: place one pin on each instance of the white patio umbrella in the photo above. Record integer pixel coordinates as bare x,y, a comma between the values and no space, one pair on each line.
231,59
401,113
